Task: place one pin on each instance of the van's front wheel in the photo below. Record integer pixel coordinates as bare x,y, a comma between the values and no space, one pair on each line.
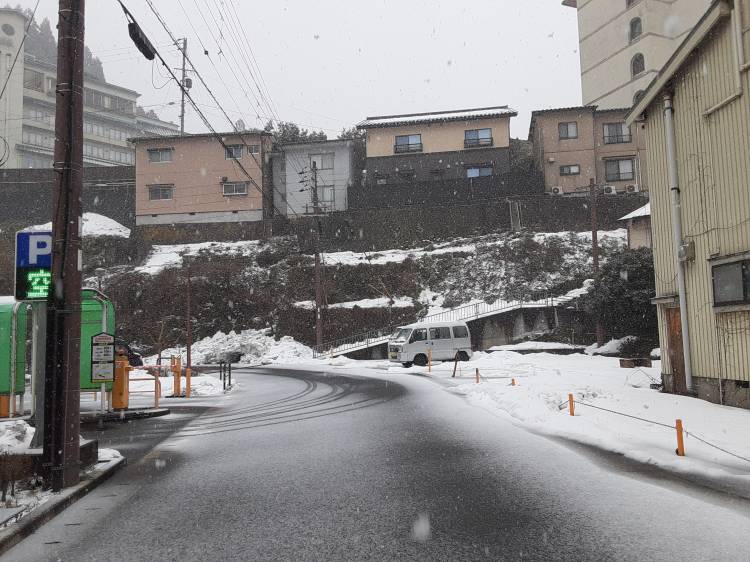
420,360
406,365
463,356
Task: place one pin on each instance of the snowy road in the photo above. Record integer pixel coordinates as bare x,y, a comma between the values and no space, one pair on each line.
299,466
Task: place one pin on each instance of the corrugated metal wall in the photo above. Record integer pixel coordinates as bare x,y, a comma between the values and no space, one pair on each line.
714,167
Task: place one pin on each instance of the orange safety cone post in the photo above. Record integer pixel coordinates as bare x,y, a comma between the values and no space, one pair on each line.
571,405
680,442
429,360
477,375
512,382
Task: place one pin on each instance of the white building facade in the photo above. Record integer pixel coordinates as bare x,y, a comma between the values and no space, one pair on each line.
624,43
27,109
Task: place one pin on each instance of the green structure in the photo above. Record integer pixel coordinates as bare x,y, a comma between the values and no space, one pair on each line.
13,318
97,316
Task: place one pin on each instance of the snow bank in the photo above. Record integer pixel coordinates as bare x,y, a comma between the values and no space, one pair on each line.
15,435
539,401
166,256
383,302
94,225
534,346
254,347
612,347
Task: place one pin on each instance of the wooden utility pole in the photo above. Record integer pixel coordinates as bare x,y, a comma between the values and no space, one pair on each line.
318,268
594,195
61,449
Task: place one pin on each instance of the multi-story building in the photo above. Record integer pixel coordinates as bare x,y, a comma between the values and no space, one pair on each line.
300,168
27,109
445,145
623,44
696,115
195,179
574,145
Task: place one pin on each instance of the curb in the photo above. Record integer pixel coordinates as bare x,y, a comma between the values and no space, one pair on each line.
15,533
125,415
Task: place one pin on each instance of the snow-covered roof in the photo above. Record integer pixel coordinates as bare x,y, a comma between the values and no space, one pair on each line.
94,225
437,117
644,211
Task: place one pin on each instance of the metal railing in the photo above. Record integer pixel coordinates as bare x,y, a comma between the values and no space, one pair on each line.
474,143
401,148
464,313
617,139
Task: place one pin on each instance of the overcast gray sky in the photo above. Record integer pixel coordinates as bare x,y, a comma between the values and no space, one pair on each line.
330,63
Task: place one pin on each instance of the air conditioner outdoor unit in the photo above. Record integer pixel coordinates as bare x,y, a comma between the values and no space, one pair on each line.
557,190
610,190
632,188
551,159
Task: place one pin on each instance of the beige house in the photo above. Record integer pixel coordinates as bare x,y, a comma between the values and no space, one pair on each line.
576,144
624,43
697,125
639,227
197,179
443,145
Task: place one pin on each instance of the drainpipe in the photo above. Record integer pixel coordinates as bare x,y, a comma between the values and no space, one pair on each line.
677,233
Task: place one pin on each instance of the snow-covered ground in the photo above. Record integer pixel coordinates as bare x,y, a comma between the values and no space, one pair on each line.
94,225
255,347
15,436
382,302
616,409
200,385
166,256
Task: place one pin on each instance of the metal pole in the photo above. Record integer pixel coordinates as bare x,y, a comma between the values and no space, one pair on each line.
594,195
38,331
189,333
62,384
674,188
182,89
318,275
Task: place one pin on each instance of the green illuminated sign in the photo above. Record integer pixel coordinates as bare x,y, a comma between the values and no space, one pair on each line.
36,283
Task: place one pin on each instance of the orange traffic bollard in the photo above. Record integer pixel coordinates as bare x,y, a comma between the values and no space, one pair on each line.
680,442
188,373
512,382
177,372
429,360
4,406
571,405
121,384
477,375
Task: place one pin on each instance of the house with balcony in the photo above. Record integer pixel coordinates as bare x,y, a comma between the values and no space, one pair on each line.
197,179
444,152
573,145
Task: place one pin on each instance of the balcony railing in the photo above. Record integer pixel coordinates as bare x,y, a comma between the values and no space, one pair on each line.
617,139
402,148
475,143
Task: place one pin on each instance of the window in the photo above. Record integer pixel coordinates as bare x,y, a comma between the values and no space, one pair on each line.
443,333
157,155
408,143
322,161
477,137
637,65
636,28
478,171
620,170
160,192
231,188
615,133
638,96
731,283
568,130
419,335
460,332
33,80
570,170
51,85
251,148
233,152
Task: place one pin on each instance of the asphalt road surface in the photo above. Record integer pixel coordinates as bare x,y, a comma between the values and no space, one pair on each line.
303,466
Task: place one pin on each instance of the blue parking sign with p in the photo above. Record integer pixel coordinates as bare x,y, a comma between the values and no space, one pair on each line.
33,265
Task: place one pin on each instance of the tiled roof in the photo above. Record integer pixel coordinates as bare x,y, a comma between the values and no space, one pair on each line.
437,117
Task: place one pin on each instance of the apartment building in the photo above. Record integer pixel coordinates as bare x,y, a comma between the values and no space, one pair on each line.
699,104
196,179
27,109
300,168
444,145
624,43
573,145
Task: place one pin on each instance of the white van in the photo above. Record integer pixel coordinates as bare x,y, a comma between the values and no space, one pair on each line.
409,344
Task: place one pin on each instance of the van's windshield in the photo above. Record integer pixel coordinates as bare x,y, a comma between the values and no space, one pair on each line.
401,334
